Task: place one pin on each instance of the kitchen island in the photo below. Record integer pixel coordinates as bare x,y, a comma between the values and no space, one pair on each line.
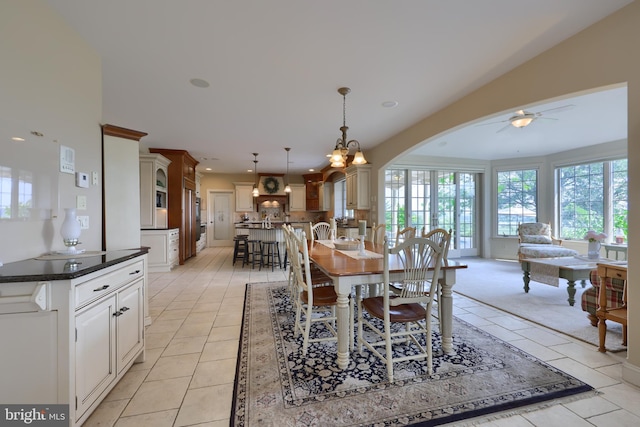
71,327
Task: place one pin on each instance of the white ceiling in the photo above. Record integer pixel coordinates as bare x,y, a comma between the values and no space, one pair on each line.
275,66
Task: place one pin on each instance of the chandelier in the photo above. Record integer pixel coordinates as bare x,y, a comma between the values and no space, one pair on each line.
287,187
255,192
341,150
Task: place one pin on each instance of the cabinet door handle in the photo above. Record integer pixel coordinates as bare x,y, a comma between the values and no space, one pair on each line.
123,309
117,313
134,272
101,288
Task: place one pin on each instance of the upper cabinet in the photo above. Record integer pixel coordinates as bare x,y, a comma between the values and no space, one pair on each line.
153,190
312,183
326,196
358,192
244,198
297,198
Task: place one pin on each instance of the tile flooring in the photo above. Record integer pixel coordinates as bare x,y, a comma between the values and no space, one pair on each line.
192,344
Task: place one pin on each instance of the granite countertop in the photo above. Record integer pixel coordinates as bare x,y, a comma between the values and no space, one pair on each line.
45,269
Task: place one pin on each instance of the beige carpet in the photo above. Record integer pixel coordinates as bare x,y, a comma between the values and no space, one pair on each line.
499,284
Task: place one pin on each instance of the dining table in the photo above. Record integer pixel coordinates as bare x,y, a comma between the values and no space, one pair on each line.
356,268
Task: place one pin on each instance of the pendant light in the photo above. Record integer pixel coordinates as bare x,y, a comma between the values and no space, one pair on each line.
287,187
341,150
255,192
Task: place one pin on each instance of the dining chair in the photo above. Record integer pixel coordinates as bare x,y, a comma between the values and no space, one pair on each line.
405,233
607,274
439,235
411,307
313,304
321,231
377,234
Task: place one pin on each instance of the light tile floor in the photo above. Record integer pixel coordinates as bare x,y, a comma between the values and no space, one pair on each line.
192,344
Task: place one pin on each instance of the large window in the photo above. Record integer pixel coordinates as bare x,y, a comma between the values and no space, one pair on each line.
517,199
434,199
593,196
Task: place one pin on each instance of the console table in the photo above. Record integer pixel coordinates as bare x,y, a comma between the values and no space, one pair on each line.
616,248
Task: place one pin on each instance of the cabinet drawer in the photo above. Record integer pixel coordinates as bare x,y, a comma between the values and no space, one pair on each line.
102,285
613,272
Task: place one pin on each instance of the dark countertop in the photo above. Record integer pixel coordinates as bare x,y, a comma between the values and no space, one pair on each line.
32,270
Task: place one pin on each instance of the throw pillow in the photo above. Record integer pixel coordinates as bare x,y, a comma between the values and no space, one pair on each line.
535,238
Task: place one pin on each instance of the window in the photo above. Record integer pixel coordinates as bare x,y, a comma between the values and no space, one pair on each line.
517,199
593,196
395,200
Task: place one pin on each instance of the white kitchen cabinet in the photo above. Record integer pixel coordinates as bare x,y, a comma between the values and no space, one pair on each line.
357,185
164,248
153,190
297,198
326,196
109,334
80,334
244,198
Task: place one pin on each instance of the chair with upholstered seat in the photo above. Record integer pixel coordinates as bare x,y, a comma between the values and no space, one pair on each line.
607,272
536,241
400,318
404,234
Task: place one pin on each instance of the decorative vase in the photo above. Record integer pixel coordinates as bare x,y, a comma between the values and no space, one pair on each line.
593,251
70,230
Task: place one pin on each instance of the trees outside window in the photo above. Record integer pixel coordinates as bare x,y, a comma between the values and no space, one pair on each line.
517,199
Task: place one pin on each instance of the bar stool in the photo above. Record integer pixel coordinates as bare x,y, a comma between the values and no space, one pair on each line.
270,250
240,249
255,252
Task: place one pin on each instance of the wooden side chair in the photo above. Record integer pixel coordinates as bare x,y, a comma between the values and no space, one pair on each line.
377,234
321,231
606,272
404,234
411,306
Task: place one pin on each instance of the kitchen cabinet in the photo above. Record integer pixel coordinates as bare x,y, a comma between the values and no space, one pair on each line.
164,248
182,199
326,196
312,197
121,191
357,186
153,190
244,197
297,198
73,335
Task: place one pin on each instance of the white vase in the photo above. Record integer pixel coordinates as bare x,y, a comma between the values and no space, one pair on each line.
70,230
593,250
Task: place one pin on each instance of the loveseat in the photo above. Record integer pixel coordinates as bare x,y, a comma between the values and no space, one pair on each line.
615,292
536,241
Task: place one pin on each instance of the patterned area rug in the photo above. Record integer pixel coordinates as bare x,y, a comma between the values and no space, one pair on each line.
276,386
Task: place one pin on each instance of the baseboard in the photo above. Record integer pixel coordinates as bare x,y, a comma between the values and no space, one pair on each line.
631,373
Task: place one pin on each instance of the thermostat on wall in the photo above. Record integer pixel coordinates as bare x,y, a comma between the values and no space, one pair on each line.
82,179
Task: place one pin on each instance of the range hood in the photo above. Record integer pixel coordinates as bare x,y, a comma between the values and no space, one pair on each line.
271,201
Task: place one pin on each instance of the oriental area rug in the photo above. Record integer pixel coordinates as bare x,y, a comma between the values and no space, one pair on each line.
277,386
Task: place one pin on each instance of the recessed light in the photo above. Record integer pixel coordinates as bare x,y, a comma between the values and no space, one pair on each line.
249,170
442,143
312,170
199,83
207,169
390,104
17,139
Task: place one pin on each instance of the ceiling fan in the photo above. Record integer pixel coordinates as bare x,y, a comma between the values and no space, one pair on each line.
523,118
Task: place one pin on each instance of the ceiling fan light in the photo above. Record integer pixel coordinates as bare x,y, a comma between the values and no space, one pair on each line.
358,158
521,122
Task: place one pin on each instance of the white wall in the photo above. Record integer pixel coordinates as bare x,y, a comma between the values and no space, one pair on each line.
50,81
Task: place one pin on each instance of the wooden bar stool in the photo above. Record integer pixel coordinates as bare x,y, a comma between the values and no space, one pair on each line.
271,249
240,249
255,252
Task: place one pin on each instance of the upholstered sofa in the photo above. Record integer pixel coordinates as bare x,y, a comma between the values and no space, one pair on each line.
536,241
614,289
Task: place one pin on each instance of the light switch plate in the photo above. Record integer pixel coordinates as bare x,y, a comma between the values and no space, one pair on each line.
82,180
81,202
84,221
94,178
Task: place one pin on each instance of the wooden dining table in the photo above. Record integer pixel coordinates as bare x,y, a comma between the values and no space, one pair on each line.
348,272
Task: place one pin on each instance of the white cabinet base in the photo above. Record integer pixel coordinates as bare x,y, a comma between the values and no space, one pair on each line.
163,248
